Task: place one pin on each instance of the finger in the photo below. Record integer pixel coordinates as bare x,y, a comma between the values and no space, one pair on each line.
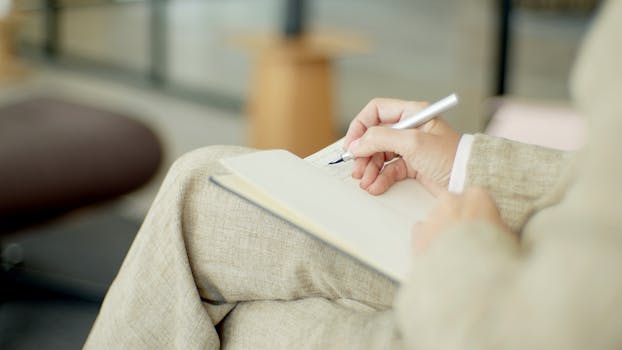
383,139
380,111
372,170
360,164
390,174
359,167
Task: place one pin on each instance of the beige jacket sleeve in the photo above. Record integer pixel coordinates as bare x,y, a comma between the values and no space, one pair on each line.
522,178
477,289
560,287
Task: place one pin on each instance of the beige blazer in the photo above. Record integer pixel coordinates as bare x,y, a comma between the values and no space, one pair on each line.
561,287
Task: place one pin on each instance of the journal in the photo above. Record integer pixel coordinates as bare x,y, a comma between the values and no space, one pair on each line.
325,202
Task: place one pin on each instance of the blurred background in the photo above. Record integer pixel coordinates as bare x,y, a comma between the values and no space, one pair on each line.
99,97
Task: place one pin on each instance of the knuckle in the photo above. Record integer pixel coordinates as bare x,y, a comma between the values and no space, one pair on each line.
374,101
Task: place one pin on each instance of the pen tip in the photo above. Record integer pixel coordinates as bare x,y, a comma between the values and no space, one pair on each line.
337,161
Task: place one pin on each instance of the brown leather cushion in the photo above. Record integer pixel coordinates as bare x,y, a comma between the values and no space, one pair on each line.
56,156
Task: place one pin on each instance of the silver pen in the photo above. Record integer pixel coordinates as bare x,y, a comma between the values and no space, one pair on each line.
418,119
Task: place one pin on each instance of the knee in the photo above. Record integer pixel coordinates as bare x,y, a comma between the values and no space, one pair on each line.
201,162
206,157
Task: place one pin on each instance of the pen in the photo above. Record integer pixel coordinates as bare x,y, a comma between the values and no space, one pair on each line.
418,119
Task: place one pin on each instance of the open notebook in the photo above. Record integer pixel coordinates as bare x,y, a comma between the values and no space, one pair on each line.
327,203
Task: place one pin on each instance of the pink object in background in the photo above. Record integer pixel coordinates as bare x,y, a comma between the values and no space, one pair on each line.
553,125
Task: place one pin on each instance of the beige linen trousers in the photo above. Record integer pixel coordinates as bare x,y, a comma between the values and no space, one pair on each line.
208,270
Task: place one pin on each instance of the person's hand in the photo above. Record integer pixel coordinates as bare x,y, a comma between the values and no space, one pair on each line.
475,204
425,153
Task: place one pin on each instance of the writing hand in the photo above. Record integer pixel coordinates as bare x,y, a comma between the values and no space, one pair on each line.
426,153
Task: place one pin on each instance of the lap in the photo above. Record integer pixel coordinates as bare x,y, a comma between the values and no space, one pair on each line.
239,252
203,253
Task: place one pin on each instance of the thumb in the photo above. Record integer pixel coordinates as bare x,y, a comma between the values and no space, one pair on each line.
384,139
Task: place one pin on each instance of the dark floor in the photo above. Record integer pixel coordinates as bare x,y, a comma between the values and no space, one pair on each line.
52,298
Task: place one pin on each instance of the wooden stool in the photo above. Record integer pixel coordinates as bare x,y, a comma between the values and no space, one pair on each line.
11,69
291,97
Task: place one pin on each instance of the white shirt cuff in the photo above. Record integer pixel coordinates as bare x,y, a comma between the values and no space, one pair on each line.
457,177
